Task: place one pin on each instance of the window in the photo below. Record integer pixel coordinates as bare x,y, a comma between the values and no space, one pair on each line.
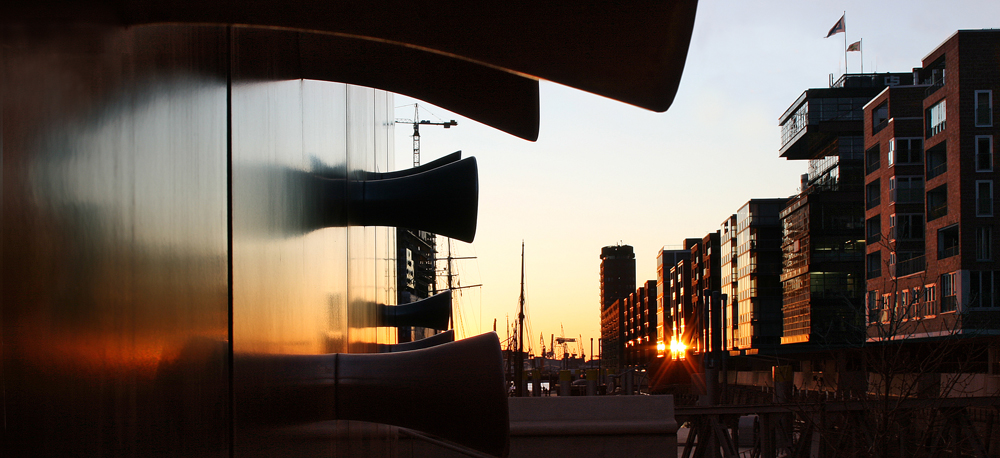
983,289
906,150
935,119
949,302
907,263
984,243
874,306
984,153
930,299
937,202
874,264
873,229
948,241
888,303
873,194
984,198
906,190
984,108
880,117
937,160
872,159
907,226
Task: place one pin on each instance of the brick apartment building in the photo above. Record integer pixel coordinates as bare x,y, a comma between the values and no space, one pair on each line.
930,149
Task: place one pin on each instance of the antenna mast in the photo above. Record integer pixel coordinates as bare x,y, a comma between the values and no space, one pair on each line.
519,368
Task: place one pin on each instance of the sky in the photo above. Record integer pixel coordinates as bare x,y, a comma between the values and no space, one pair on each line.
603,172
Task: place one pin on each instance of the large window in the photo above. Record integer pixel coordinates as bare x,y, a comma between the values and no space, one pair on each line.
984,153
983,289
873,194
907,226
872,159
906,189
948,241
937,160
949,293
874,302
874,264
984,243
984,198
930,299
906,150
873,229
984,108
937,202
935,119
880,117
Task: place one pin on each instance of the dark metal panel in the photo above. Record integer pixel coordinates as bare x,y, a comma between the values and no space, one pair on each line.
114,240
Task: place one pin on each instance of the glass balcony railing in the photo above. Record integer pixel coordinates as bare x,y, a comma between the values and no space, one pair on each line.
910,266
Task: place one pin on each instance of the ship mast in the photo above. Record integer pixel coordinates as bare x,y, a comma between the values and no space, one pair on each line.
519,366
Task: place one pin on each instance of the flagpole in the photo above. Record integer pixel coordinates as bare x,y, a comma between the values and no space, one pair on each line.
844,18
861,48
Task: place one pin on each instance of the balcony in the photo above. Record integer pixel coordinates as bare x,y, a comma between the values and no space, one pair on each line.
936,170
948,252
910,266
873,202
933,87
878,127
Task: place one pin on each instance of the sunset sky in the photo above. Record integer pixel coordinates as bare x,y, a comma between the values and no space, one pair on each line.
603,172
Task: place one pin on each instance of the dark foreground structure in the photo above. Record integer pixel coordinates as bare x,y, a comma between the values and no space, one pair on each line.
198,207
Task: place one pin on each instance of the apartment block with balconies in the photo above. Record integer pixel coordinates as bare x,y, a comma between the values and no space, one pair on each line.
894,193
954,288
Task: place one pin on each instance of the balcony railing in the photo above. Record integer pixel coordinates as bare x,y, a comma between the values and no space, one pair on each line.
878,127
872,203
910,266
933,87
948,252
874,273
937,170
937,212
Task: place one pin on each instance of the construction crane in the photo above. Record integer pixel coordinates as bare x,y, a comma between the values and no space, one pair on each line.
563,341
541,342
417,122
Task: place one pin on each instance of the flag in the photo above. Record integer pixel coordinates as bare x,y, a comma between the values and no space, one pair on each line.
856,46
839,27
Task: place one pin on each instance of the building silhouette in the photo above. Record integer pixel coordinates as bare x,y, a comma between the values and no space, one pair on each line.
617,283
